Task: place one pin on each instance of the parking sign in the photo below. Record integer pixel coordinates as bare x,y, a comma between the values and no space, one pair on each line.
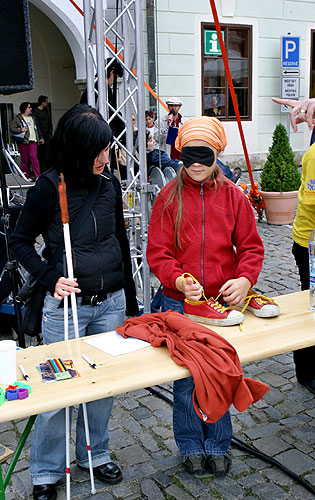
290,52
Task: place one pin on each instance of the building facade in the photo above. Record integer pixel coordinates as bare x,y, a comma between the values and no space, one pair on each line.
187,61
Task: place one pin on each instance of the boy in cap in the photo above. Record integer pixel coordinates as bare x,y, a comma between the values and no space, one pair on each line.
167,127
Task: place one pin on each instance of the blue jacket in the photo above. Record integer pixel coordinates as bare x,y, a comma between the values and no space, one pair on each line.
154,157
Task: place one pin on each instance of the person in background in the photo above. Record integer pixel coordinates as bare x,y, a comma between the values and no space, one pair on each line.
25,123
43,118
150,125
134,122
103,283
301,111
157,158
303,225
114,71
167,128
216,109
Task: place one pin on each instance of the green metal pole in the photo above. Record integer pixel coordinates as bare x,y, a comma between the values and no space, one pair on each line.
19,448
2,497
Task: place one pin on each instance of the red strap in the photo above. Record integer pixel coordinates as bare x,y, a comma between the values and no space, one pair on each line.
255,196
231,86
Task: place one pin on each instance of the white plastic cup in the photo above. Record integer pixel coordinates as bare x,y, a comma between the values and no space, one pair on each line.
7,362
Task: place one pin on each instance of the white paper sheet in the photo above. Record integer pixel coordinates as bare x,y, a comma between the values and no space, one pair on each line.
114,344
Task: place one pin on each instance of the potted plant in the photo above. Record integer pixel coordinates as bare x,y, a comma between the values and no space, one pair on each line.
280,179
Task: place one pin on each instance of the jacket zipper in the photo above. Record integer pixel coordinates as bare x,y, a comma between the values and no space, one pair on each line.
202,234
96,234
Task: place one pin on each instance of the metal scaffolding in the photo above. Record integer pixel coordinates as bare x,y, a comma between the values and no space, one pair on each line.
116,34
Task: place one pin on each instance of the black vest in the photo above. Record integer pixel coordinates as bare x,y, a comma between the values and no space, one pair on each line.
96,253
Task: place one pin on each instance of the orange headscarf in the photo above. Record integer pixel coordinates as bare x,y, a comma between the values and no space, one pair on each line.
204,128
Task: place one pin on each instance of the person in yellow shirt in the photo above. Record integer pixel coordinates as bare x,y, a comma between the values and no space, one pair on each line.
303,225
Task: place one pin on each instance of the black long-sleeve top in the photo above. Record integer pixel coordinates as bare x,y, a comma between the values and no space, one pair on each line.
39,213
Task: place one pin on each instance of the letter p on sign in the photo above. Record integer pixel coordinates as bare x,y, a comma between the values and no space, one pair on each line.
290,46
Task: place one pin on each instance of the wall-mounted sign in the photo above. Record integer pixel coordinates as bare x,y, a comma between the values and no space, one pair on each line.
211,43
290,87
290,52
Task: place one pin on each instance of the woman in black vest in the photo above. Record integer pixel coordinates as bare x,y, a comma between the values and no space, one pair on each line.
103,281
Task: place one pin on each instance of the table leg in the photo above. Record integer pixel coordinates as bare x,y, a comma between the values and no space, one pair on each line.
4,482
2,497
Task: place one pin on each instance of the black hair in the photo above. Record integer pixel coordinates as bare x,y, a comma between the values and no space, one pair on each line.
23,106
116,66
149,113
81,134
41,98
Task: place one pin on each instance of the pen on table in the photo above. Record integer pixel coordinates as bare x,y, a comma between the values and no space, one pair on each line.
62,364
53,365
26,377
59,365
91,363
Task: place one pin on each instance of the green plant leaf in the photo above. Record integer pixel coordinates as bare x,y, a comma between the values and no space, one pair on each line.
280,172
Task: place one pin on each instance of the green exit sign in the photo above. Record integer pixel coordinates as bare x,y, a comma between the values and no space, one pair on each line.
212,46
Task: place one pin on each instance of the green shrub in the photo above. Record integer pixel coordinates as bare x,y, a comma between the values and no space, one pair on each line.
280,172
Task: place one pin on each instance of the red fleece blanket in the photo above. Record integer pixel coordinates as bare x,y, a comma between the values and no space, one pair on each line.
212,361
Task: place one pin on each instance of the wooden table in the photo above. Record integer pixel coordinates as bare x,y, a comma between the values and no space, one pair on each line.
259,338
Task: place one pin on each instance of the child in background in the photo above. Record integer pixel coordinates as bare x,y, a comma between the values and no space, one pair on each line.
197,222
149,122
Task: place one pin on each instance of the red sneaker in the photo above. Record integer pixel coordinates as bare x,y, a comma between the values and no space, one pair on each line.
212,312
260,305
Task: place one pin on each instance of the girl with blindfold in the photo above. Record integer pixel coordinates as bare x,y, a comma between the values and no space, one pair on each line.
203,225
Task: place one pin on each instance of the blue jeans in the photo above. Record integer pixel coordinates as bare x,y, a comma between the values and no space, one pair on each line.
48,450
192,435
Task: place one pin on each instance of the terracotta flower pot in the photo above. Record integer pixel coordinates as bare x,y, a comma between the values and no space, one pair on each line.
280,207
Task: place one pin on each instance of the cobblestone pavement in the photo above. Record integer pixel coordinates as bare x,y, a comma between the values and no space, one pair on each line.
281,424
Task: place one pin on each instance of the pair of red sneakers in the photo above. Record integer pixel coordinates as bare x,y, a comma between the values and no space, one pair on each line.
210,311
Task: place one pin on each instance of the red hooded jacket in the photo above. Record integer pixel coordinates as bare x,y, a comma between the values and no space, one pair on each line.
212,361
219,238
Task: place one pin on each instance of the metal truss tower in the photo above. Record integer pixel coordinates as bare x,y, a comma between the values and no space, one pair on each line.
115,32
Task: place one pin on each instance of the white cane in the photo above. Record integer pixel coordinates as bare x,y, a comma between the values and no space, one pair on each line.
67,240
66,327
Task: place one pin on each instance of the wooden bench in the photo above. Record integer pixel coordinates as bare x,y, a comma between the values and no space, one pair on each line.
259,338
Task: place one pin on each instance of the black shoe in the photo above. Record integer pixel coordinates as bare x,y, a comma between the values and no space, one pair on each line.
310,385
109,473
44,492
195,464
218,464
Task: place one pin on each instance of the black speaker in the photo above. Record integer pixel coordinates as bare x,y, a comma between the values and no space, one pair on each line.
16,70
6,117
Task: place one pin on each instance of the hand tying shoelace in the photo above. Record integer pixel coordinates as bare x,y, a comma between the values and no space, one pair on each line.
210,311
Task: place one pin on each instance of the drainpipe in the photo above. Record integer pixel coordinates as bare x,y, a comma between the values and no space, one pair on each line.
151,51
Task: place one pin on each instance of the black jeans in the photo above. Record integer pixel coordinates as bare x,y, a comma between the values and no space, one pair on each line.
303,358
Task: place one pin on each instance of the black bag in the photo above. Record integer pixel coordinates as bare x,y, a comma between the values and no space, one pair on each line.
33,293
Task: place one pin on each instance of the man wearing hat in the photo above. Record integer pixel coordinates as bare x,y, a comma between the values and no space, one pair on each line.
167,128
